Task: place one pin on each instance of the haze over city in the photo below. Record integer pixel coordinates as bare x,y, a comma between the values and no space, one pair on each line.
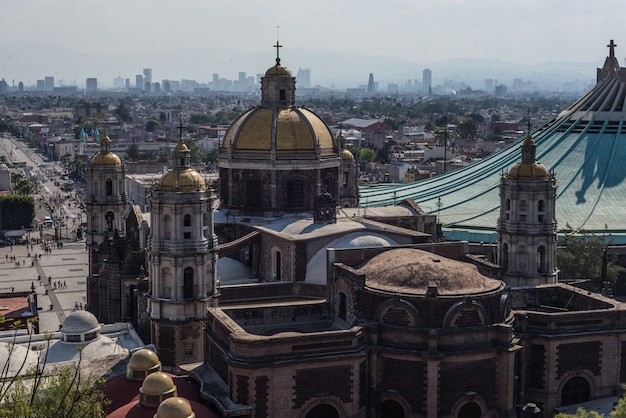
341,41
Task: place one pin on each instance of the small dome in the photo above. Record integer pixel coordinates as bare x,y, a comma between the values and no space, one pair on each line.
157,384
528,171
105,139
181,147
346,155
278,70
186,180
528,141
413,271
107,158
175,407
80,322
144,359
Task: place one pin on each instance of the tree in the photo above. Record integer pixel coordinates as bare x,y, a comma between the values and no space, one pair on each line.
152,125
132,152
618,412
468,129
16,211
123,112
580,257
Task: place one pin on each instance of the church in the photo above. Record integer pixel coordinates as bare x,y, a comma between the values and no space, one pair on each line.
283,297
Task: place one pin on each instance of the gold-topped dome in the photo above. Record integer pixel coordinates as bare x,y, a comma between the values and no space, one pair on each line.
181,147
278,70
346,155
528,171
106,159
105,139
156,384
280,134
185,180
175,407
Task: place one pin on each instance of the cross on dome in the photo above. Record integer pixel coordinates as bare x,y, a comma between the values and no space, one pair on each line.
277,46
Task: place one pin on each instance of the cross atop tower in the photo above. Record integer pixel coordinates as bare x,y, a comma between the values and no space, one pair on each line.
611,47
278,45
180,128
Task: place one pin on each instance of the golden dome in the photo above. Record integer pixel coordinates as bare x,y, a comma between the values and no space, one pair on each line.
282,133
528,171
185,180
181,147
528,141
278,70
107,158
144,359
105,139
346,155
157,384
175,407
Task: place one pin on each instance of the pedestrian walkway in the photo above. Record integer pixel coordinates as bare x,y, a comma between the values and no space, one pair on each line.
58,277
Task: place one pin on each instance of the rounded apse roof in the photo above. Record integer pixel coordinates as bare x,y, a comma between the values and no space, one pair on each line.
279,133
157,384
346,155
412,271
185,180
144,360
80,322
175,407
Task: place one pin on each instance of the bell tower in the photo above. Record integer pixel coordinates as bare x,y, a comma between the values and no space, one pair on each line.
183,260
105,204
526,229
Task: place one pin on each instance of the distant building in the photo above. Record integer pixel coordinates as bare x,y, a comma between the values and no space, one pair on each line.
49,83
4,87
139,82
41,85
427,82
92,84
489,85
147,75
371,87
304,77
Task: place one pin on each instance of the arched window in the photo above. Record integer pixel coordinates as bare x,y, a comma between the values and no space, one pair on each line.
470,410
391,409
323,411
508,204
187,220
166,282
541,260
346,178
109,217
540,209
96,187
576,390
188,284
277,265
109,187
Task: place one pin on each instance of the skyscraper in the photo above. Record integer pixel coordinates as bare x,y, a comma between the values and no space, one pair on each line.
49,83
371,87
91,84
147,75
427,81
139,82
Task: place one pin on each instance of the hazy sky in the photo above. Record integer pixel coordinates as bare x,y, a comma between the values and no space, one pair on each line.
527,31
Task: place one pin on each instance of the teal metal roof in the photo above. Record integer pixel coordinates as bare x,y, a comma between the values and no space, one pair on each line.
585,146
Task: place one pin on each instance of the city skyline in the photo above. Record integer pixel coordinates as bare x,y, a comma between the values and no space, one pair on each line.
238,36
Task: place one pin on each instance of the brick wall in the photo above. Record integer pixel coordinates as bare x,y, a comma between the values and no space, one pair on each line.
407,378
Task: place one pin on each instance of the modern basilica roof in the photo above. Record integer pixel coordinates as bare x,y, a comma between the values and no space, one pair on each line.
585,146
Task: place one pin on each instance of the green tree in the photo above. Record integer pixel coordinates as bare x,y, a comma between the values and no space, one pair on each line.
580,257
17,211
152,125
132,152
580,413
442,135
468,129
123,112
